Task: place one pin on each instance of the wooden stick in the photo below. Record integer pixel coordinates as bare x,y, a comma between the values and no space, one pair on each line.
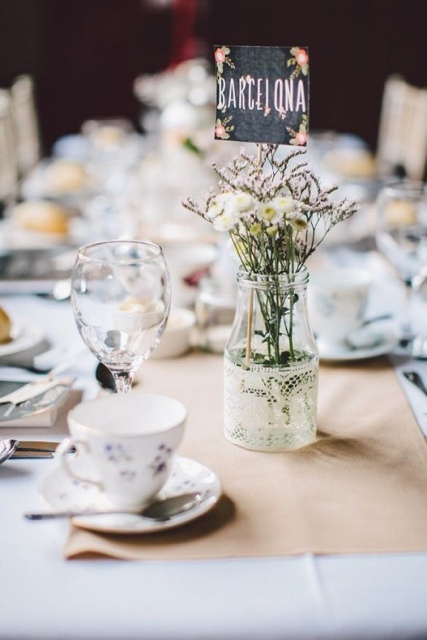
249,328
259,154
251,296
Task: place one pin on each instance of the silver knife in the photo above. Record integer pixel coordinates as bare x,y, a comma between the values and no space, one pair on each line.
37,445
20,454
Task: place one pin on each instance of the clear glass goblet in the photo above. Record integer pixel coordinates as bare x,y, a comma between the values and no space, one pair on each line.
120,296
401,236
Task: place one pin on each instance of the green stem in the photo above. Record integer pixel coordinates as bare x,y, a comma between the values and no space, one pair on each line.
291,325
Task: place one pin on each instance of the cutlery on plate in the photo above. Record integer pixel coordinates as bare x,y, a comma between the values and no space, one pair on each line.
28,391
37,386
160,510
31,390
416,379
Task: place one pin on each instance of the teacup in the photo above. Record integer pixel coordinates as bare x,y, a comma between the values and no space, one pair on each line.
337,301
131,441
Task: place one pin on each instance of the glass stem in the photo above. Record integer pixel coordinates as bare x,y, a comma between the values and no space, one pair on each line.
123,381
412,297
406,320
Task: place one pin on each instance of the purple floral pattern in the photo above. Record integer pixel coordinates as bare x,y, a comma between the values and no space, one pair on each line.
116,454
159,463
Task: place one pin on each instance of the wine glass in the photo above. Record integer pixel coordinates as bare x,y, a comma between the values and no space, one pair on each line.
401,236
120,295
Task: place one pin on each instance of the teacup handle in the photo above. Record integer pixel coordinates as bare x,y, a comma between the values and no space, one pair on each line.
66,447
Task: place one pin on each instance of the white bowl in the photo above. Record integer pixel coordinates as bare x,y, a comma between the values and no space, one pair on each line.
184,260
176,339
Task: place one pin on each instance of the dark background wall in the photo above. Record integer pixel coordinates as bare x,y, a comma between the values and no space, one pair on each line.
85,54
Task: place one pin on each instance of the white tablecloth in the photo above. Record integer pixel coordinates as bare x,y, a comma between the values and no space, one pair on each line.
305,597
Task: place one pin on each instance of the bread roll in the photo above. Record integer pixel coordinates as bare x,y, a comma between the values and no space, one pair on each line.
42,216
5,326
64,177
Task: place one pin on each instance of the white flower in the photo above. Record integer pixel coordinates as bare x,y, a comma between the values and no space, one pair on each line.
284,205
271,231
298,222
242,202
255,228
225,221
269,214
219,204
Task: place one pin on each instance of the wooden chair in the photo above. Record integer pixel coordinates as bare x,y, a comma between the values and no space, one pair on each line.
402,135
26,124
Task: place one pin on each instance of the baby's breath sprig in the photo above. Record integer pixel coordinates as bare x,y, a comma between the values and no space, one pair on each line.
274,208
276,213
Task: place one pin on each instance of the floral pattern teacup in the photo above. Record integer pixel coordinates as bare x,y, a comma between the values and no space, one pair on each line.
130,441
337,300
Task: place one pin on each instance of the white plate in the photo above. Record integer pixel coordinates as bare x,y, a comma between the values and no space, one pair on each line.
340,352
63,493
24,336
13,237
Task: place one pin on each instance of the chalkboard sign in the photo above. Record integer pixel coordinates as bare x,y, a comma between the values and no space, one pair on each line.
262,94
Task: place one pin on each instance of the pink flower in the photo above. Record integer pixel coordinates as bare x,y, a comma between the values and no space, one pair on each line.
301,57
220,131
219,56
301,137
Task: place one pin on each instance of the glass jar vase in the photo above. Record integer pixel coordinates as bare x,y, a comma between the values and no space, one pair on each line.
271,365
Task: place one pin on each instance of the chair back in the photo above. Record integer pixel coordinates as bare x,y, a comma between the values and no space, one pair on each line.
8,157
26,124
402,135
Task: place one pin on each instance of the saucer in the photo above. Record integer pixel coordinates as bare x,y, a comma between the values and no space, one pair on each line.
344,352
25,335
64,493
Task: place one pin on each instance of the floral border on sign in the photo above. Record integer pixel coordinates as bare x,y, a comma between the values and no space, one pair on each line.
221,58
299,138
222,128
300,60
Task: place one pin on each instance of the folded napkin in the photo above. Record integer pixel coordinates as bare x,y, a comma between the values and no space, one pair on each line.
361,488
39,410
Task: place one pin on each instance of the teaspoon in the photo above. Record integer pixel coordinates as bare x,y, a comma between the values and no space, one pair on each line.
105,377
160,510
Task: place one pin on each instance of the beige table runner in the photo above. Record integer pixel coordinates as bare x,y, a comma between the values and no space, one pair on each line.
361,488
